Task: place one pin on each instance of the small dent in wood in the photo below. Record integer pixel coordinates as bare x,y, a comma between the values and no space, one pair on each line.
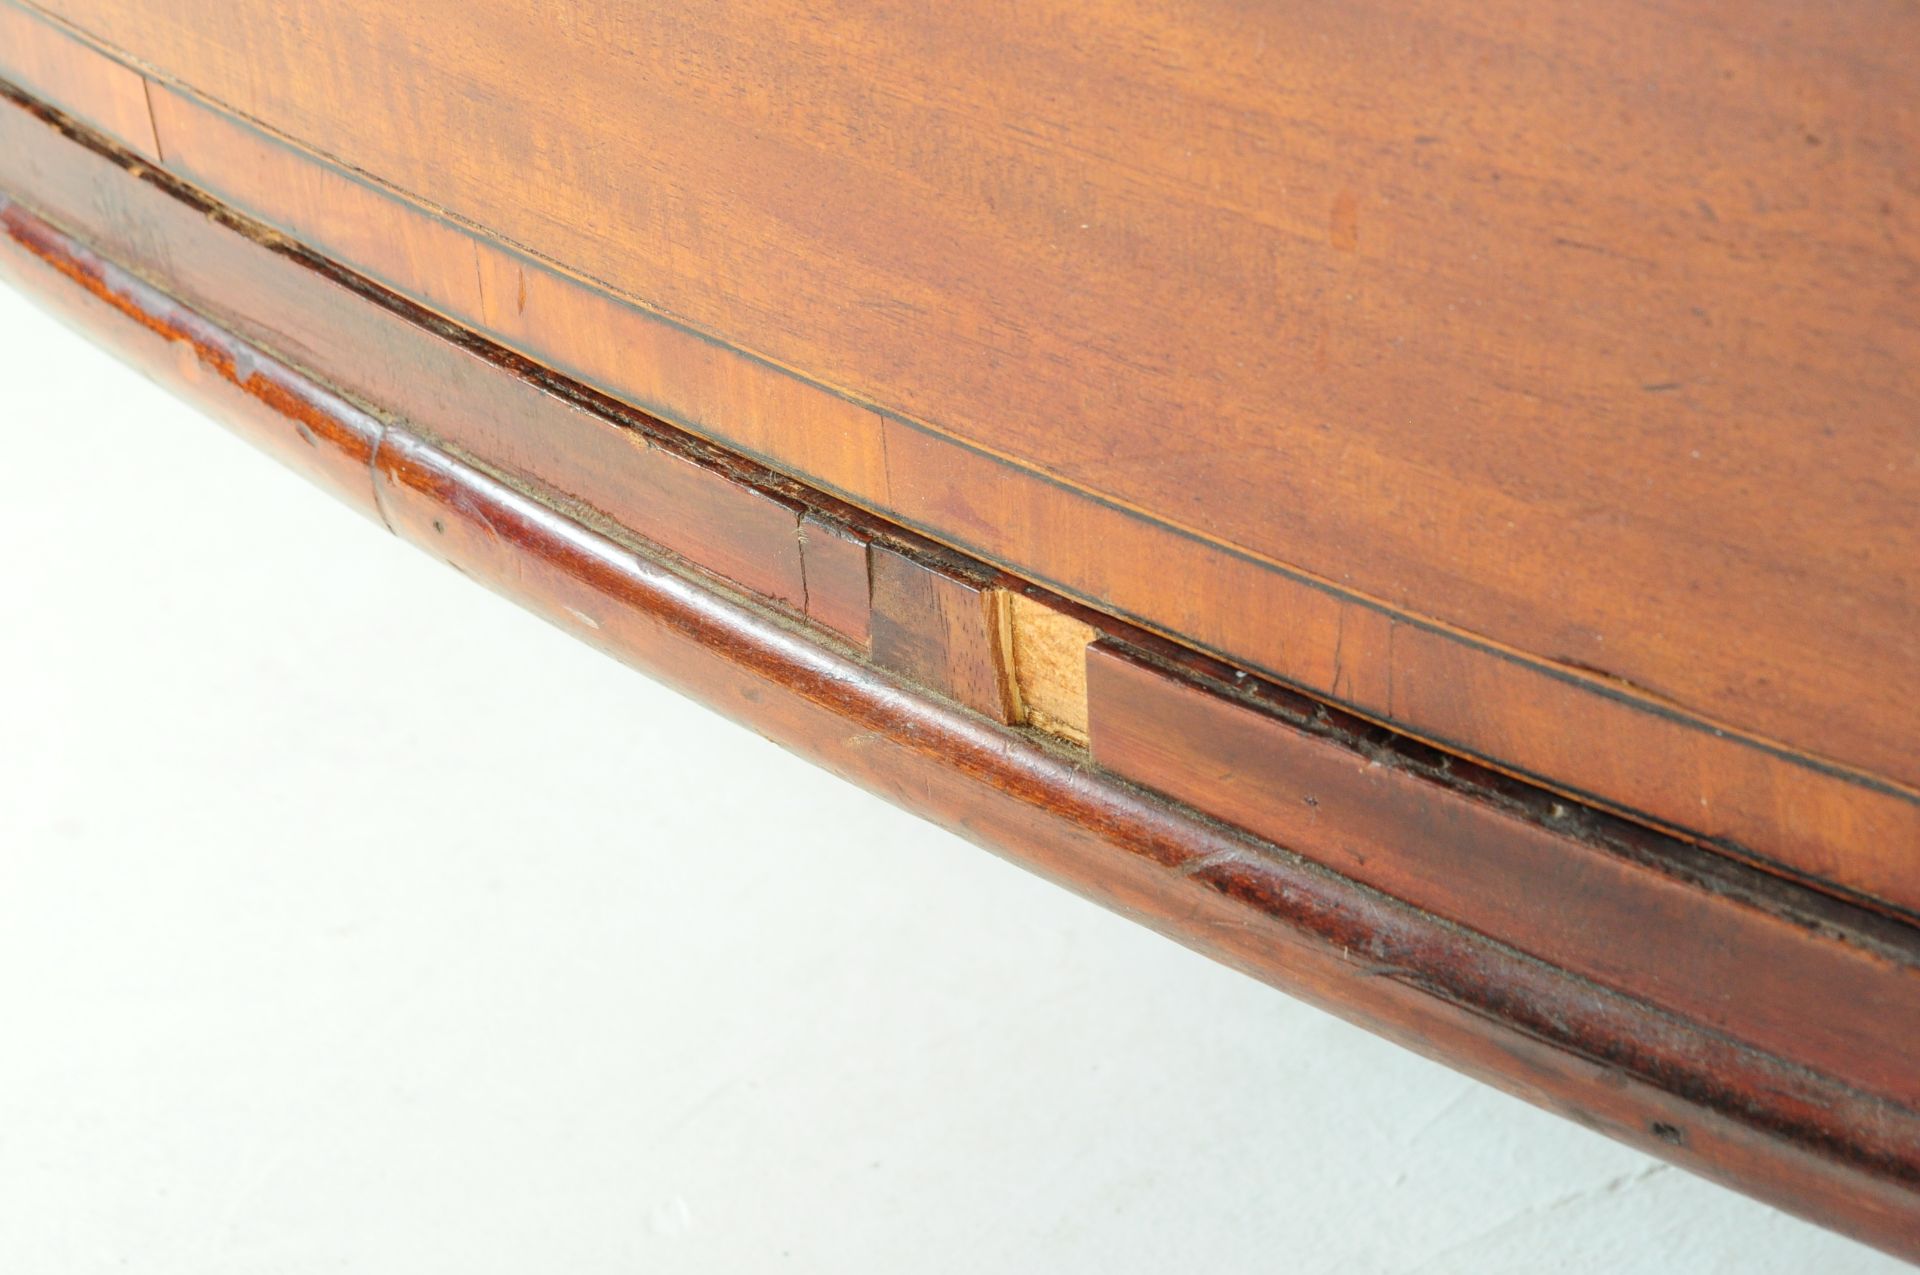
1670,1134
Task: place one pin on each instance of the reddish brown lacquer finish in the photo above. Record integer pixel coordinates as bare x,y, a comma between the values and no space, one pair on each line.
836,560
1657,1081
942,627
1636,1020
1546,878
1538,382
298,422
103,93
1735,1024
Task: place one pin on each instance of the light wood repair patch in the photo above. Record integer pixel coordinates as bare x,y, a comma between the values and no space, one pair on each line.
1049,650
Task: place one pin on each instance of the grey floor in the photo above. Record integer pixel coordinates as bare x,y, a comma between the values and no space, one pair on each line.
351,920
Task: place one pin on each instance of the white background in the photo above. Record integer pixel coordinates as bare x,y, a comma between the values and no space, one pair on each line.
352,920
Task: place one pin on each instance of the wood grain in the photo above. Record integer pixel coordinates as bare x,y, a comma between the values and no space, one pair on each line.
106,94
298,422
540,432
1299,928
1047,648
1558,887
945,628
835,557
1539,383
1659,1080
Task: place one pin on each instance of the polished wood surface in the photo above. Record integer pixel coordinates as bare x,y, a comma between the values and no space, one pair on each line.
945,628
835,559
1539,381
99,91
1707,1090
1441,839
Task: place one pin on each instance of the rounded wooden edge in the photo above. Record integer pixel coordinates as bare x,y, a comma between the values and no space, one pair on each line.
1797,1138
